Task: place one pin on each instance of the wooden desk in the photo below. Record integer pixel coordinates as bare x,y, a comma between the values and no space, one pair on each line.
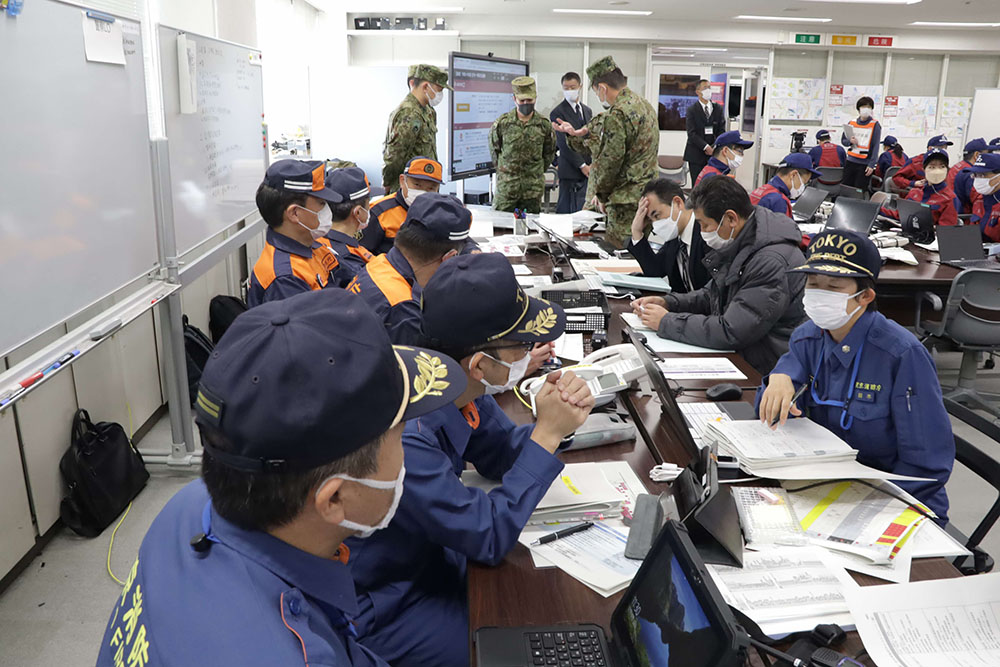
516,593
899,285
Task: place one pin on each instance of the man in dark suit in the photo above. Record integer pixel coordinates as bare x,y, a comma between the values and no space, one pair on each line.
574,169
705,122
679,258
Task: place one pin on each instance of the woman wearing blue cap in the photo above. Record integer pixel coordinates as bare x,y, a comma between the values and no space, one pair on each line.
892,156
869,380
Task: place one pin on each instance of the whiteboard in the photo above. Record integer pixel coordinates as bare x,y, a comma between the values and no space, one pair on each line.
76,200
985,111
217,153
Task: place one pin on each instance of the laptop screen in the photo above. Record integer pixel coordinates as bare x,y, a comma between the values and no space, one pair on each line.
957,243
666,618
853,214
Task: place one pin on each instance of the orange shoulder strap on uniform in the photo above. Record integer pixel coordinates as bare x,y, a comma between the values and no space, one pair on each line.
471,414
361,252
388,280
391,220
263,270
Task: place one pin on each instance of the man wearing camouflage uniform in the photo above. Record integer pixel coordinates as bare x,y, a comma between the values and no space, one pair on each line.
412,127
626,159
522,145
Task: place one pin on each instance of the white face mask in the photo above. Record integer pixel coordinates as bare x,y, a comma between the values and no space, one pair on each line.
736,160
865,112
368,218
411,195
515,374
325,218
571,95
604,102
666,228
714,241
936,175
828,310
395,485
433,97
984,186
795,193
706,94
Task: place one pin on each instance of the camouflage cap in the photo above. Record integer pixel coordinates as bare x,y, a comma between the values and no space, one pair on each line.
601,67
430,73
524,87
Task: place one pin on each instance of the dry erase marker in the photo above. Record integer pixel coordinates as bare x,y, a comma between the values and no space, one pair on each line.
28,381
565,532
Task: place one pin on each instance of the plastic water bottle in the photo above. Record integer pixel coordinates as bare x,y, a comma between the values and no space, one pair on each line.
14,7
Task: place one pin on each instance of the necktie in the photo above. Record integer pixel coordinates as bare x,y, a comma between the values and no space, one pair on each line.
579,115
682,264
708,111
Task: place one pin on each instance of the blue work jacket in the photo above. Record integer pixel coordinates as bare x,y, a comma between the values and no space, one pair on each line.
249,599
896,418
389,287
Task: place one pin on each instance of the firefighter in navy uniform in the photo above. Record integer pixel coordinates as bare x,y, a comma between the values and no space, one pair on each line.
301,411
350,217
826,153
794,174
871,382
420,175
295,203
436,229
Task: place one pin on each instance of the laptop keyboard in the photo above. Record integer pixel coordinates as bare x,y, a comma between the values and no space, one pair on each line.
566,649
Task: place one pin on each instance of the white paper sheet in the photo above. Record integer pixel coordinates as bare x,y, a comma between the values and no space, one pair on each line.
700,368
482,227
570,346
662,344
595,557
521,270
786,589
582,266
534,282
834,470
560,223
102,40
954,622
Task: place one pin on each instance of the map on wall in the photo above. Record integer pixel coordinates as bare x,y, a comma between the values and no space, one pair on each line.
909,116
797,99
955,117
843,98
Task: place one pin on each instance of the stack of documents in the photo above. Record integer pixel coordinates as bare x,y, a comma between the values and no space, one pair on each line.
508,245
580,493
627,281
583,266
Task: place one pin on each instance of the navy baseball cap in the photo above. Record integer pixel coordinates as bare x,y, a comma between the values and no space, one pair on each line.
799,161
732,138
939,153
976,145
986,163
351,183
442,215
890,141
939,140
846,254
304,381
994,144
822,134
475,299
306,177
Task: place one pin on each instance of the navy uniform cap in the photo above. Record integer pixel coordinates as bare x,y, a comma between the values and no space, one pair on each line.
986,163
306,177
976,146
841,253
799,161
939,140
475,299
351,183
890,141
442,215
304,381
994,144
732,138
822,134
937,152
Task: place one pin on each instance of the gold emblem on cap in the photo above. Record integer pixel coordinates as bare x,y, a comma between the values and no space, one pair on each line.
430,381
542,324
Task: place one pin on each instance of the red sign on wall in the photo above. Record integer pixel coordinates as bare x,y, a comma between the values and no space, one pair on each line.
876,40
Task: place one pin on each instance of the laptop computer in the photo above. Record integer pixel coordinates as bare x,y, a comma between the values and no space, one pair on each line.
805,207
962,247
671,614
853,214
916,219
847,192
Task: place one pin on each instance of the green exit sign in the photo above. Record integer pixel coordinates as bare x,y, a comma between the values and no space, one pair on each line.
803,38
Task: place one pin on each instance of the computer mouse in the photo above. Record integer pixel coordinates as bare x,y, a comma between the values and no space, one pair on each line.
724,391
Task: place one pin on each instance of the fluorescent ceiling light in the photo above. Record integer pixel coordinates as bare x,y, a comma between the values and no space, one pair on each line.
674,55
687,48
790,19
870,2
399,9
949,24
618,12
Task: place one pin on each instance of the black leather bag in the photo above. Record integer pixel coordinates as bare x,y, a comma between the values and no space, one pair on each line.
103,473
222,311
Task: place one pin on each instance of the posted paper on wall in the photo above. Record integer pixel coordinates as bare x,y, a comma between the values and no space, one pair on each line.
102,38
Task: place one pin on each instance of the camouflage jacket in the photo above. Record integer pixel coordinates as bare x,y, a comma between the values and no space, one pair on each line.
626,158
521,152
412,132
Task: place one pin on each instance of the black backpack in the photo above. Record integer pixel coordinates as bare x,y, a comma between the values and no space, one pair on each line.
103,473
197,349
222,310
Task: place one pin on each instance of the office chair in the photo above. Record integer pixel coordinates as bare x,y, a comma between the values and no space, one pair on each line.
887,185
673,168
971,320
988,469
830,178
551,177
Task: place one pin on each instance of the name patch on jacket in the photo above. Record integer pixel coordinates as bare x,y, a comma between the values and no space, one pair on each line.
866,392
